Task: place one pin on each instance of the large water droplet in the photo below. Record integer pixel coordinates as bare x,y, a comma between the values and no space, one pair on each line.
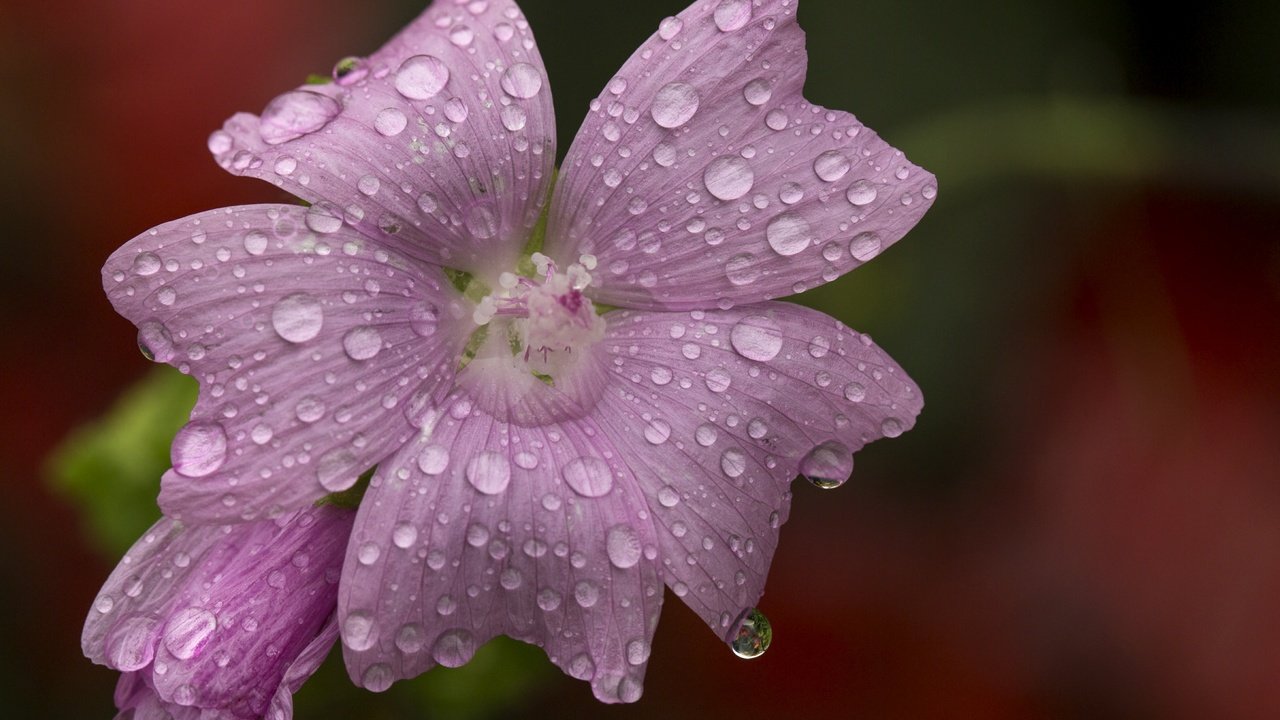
294,114
758,91
674,105
731,15
589,476
828,465
489,472
324,218
155,342
757,338
622,543
409,638
309,409
187,632
421,77
788,234
390,122
861,192
132,644
741,269
359,632
297,317
362,343
865,246
424,318
733,462
334,470
199,449
670,27
750,635
146,263
521,80
377,677
831,165
454,648
728,177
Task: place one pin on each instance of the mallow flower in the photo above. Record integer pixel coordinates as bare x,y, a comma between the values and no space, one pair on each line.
573,395
220,622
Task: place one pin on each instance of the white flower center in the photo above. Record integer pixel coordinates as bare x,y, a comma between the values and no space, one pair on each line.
551,319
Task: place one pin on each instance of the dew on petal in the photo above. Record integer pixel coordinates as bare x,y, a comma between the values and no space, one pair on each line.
757,338
788,234
421,77
674,105
732,15
728,177
454,648
297,318
522,81
334,472
359,632
622,544
199,449
187,632
362,343
390,122
294,114
588,476
132,644
489,472
865,246
828,465
861,192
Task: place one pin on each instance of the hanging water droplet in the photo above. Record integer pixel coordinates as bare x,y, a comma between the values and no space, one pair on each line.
750,635
294,114
891,427
728,177
521,80
828,465
155,342
349,71
674,105
454,648
199,449
421,77
489,472
297,318
588,476
757,338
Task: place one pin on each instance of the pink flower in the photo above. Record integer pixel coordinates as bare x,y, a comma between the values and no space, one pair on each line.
564,417
220,622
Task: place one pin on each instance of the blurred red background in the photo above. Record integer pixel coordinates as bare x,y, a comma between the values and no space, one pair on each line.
1086,522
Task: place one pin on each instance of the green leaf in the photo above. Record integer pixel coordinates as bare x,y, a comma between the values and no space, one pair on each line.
110,468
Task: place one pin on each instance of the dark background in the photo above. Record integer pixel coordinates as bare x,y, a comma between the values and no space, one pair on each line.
1084,524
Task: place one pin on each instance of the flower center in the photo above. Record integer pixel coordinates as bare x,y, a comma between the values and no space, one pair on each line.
551,321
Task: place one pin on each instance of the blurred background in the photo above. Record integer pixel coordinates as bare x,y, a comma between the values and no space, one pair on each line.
1084,524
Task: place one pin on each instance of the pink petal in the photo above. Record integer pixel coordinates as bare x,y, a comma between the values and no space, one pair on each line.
702,177
309,341
221,618
440,144
717,412
480,528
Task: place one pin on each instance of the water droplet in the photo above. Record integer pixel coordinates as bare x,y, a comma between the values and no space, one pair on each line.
433,459
454,648
294,114
489,472
733,462
255,242
186,633
732,15
586,593
776,119
674,105
819,346
513,117
521,80
788,234
220,142
589,476
828,465
861,192
421,77
155,342
404,535
359,632
199,449
369,185
728,177
146,263
285,165
362,343
424,318
668,496
670,27
750,635
409,638
865,246
622,543
297,318
349,71
831,165
757,338
368,553
891,427
482,222
718,380
324,218
637,652
664,155
390,122
334,470
706,435
461,35
377,677
309,409
657,431
132,644
741,269
758,91
855,392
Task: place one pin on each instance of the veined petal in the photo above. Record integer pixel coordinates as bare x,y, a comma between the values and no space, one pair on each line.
718,412
480,528
221,618
441,144
309,342
702,177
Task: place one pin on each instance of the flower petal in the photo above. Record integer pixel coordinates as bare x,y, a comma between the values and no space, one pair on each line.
309,341
221,617
703,178
717,412
480,528
441,144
